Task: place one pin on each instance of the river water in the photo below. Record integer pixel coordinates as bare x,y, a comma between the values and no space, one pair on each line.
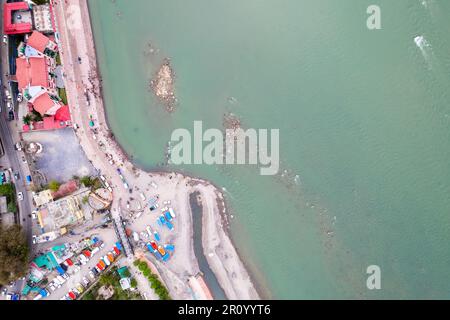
364,120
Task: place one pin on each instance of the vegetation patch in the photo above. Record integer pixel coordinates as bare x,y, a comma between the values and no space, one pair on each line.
9,191
110,279
155,283
14,253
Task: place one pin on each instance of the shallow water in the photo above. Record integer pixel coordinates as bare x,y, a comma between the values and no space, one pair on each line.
364,125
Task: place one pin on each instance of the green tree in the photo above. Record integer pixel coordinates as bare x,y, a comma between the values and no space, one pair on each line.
27,119
86,181
54,185
13,254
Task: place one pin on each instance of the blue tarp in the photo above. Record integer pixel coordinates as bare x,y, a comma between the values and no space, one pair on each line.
43,293
157,237
119,246
60,270
169,225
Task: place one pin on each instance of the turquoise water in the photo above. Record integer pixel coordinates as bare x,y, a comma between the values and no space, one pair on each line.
364,121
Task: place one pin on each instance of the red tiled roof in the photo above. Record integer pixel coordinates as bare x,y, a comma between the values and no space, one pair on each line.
63,114
31,72
9,26
42,104
38,41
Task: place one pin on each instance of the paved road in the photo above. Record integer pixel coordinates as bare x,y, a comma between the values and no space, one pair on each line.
9,138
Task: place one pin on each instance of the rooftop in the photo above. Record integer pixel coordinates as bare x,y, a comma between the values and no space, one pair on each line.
32,71
38,41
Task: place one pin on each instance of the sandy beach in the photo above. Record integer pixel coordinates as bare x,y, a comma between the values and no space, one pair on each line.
73,24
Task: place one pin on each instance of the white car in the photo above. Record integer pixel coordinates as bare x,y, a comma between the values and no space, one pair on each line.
91,274
60,279
5,39
20,196
86,281
106,260
52,287
34,239
19,97
18,146
34,215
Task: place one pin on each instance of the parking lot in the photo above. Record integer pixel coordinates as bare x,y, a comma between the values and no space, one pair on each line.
78,271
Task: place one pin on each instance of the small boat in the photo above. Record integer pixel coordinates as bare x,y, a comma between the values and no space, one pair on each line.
162,251
169,247
162,219
172,213
168,216
157,237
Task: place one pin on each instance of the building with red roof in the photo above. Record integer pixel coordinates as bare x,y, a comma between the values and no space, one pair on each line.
11,27
34,72
42,44
45,105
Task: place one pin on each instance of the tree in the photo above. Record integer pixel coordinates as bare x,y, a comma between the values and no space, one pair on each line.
133,283
86,181
13,254
27,119
54,185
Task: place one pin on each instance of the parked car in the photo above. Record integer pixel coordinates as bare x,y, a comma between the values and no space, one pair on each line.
5,39
86,282
106,260
79,287
75,290
20,196
34,239
19,97
34,215
18,146
91,274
